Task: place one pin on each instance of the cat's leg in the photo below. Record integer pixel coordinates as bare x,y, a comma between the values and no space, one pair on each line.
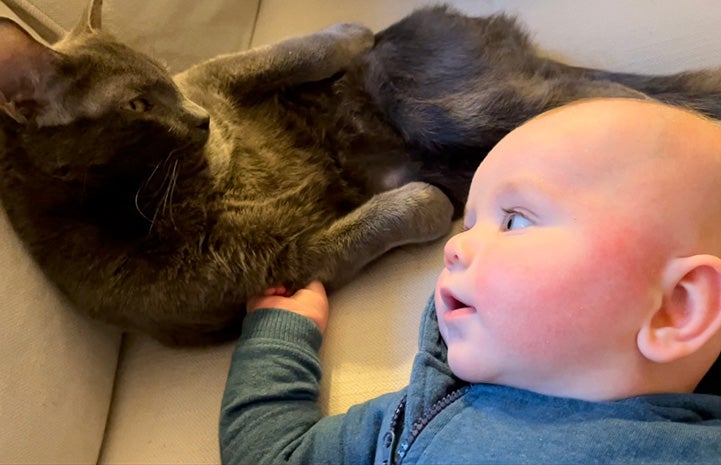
414,213
292,61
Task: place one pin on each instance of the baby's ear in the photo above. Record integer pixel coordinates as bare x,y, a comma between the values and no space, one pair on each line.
26,66
690,314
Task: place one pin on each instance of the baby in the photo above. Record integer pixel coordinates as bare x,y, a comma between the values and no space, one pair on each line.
577,312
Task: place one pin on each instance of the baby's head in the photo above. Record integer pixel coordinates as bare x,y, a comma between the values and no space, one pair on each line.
589,266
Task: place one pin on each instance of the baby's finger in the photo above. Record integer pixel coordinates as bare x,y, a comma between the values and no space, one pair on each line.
277,290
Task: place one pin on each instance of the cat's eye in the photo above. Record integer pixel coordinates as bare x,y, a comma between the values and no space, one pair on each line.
139,105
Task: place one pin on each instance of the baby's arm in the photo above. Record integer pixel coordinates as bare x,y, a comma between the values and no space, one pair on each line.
270,411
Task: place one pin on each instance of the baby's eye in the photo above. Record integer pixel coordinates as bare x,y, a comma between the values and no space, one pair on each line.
514,220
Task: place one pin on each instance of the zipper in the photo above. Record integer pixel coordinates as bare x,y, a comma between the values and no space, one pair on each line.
421,423
389,438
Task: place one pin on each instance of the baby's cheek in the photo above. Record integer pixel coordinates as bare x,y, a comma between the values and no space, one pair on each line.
626,262
610,291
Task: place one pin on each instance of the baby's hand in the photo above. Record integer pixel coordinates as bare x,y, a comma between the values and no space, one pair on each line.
311,302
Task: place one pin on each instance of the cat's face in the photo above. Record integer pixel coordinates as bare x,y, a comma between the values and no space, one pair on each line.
92,102
98,75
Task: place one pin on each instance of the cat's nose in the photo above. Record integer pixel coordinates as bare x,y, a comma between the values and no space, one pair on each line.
198,116
204,123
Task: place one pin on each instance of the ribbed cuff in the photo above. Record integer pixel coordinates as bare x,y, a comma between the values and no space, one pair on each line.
282,325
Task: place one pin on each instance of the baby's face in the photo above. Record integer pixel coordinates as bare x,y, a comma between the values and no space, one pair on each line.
568,225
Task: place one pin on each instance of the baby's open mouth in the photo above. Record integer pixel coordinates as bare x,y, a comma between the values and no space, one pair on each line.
453,304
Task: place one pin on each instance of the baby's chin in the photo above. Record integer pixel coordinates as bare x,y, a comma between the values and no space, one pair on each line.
465,365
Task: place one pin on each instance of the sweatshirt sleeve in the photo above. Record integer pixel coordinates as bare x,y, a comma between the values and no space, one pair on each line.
270,412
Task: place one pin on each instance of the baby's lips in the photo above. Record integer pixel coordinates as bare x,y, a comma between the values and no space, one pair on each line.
449,300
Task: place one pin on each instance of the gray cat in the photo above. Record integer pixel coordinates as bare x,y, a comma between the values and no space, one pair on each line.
160,204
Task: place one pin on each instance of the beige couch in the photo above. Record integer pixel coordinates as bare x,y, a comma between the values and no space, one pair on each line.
73,391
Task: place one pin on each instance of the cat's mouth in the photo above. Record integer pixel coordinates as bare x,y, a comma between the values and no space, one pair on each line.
198,135
168,175
183,163
195,116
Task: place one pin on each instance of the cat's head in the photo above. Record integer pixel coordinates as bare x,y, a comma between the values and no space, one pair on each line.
89,101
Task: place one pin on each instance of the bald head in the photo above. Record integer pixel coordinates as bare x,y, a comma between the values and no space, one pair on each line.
671,130
662,161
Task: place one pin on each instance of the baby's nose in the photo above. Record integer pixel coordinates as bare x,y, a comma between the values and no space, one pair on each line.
454,253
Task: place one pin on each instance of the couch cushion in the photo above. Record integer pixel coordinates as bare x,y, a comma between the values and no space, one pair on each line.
166,404
57,367
180,32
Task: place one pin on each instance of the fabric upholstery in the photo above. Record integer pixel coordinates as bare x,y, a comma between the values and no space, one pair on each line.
178,32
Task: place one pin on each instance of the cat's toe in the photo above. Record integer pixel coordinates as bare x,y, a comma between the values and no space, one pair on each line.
434,209
359,39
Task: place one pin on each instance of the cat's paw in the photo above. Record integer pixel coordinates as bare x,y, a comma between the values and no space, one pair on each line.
354,38
432,210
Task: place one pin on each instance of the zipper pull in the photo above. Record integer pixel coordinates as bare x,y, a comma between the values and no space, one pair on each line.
388,439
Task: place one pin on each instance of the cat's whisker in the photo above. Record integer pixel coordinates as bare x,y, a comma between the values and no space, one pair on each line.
173,177
152,222
173,184
160,207
161,187
137,207
168,183
140,190
167,186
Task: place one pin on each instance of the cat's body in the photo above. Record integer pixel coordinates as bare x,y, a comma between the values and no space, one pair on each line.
151,215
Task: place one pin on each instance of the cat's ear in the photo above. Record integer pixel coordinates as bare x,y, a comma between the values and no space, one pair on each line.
91,21
27,66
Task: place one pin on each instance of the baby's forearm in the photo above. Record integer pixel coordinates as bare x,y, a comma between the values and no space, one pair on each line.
261,393
270,400
270,412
